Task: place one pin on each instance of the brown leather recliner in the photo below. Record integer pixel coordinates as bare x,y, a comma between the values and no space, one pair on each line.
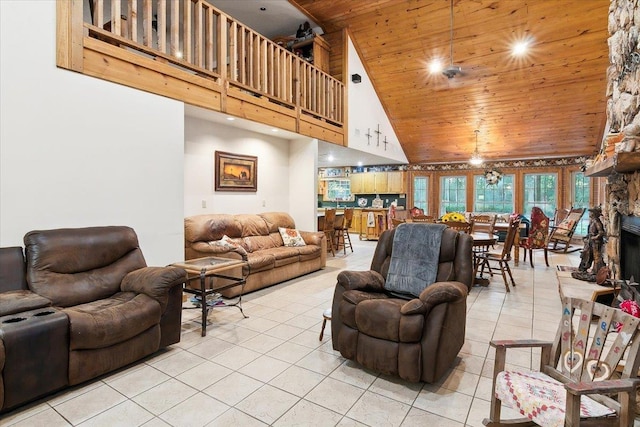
415,339
119,309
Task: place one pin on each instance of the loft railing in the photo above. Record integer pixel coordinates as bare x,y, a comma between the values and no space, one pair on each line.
196,37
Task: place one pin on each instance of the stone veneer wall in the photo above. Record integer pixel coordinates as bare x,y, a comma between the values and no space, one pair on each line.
623,115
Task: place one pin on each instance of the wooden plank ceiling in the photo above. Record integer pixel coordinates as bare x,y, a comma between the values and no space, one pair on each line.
551,103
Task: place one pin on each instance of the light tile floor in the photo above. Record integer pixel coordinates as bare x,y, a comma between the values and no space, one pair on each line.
271,369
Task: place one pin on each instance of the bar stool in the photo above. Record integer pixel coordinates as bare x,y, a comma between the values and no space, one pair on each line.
329,229
342,231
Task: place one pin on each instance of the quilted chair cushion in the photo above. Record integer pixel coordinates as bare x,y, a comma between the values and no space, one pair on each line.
539,230
541,398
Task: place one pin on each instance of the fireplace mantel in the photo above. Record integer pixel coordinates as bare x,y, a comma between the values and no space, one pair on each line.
620,162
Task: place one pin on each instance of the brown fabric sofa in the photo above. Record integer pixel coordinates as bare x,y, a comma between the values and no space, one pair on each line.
416,339
81,303
269,260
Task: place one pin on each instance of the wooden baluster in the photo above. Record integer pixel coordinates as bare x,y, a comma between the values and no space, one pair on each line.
208,50
116,22
132,20
198,46
147,22
98,13
187,31
162,26
174,31
233,51
221,45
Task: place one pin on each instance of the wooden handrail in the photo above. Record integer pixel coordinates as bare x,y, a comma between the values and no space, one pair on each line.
194,35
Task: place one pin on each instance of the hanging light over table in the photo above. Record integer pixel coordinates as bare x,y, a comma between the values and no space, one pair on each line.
476,159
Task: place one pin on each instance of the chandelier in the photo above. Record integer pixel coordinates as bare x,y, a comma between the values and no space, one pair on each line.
476,159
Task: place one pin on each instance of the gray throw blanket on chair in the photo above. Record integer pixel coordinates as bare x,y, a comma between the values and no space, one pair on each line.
414,259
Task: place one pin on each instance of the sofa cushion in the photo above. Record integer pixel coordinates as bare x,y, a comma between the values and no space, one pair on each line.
211,227
109,321
309,252
260,261
12,302
277,219
259,243
251,225
283,255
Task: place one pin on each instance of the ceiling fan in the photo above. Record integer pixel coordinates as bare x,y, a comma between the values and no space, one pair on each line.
452,70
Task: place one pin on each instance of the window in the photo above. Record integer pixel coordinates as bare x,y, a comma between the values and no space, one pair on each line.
453,194
540,189
339,189
580,199
420,191
496,198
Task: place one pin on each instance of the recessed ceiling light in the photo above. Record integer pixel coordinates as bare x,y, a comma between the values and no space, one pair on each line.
178,54
274,130
359,163
330,158
231,118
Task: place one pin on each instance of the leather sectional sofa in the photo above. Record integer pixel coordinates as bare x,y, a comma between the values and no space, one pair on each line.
269,261
81,303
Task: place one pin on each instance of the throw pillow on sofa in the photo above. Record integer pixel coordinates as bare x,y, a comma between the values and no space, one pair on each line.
227,243
291,237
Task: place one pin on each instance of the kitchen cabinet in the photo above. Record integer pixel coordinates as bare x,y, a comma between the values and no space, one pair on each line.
357,183
356,221
374,183
372,223
322,187
395,182
392,182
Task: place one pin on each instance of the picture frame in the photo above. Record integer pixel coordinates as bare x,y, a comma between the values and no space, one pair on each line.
235,172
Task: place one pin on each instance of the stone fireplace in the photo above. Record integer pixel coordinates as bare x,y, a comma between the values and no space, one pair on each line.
622,220
619,156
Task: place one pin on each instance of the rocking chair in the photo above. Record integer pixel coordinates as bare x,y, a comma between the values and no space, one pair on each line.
563,232
576,377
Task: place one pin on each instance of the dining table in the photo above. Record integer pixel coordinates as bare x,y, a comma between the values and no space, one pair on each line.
481,243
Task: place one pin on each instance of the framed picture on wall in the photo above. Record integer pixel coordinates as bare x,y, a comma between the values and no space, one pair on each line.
235,172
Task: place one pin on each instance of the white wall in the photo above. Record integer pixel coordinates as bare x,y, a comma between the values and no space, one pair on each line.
77,151
366,113
283,184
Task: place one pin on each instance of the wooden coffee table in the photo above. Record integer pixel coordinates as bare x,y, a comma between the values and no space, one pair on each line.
216,269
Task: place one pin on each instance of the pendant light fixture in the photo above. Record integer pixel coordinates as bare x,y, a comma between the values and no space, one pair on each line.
476,159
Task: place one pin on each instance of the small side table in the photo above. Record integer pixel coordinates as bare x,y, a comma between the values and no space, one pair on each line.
212,267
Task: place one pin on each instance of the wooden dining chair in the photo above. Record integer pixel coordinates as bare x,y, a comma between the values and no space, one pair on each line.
329,229
499,261
593,358
484,223
423,218
462,226
342,231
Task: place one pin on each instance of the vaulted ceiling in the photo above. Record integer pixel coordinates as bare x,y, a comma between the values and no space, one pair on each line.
550,103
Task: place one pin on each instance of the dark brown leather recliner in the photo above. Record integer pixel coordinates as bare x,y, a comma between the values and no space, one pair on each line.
415,339
119,309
